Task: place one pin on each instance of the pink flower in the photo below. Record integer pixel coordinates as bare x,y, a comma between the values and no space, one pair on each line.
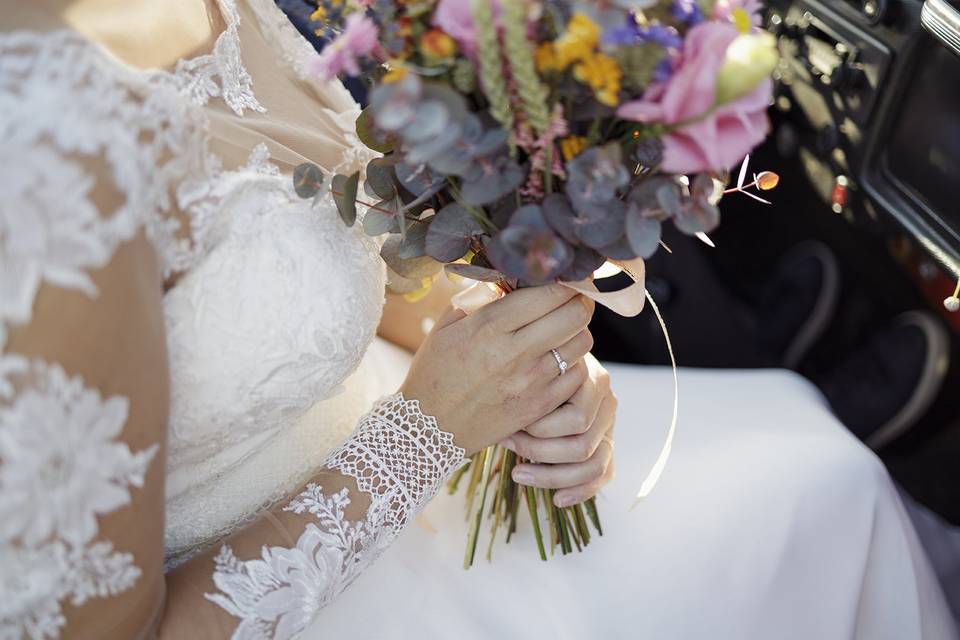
717,136
456,19
724,9
358,40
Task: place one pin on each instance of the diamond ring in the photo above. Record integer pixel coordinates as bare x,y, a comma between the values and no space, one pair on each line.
560,361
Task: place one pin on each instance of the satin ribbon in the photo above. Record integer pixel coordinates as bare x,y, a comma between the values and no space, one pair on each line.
627,302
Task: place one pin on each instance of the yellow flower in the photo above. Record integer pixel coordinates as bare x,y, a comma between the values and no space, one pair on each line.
741,20
571,146
546,58
419,294
577,42
396,72
749,60
437,45
318,15
603,75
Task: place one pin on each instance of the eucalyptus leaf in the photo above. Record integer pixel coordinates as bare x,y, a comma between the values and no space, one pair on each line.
345,195
601,230
379,182
419,180
529,215
450,232
414,244
498,180
307,179
646,194
643,232
698,216
399,285
368,134
560,216
585,262
376,223
473,272
670,199
619,250
415,268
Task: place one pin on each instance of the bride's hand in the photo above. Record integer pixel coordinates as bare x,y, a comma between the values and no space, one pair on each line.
487,375
575,442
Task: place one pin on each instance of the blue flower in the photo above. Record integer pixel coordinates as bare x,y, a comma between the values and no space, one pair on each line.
687,11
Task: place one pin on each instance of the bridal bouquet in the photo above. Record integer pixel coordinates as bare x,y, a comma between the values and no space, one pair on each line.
530,141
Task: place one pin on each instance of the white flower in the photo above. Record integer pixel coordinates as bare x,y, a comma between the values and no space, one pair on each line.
278,594
32,584
41,239
61,466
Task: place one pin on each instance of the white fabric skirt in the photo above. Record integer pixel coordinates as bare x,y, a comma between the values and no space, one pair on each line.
770,521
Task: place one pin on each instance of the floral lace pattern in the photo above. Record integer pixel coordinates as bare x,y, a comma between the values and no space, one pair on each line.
77,127
62,467
65,105
398,456
220,73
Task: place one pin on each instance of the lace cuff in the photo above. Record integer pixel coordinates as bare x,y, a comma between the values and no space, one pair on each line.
397,455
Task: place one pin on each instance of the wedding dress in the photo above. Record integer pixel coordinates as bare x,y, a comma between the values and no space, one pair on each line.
770,521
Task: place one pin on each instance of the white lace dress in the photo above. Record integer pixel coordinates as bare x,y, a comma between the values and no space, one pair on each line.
771,521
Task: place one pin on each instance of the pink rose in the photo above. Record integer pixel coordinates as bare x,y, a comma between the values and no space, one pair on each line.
717,137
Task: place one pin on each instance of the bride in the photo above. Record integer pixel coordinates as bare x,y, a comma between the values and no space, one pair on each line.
186,348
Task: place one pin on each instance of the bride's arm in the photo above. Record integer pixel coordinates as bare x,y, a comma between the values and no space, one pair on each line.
83,429
406,324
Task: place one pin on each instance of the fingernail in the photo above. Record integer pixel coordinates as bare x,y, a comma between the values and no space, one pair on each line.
507,443
564,501
522,477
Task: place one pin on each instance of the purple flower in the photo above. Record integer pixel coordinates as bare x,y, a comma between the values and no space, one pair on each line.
631,34
687,11
358,40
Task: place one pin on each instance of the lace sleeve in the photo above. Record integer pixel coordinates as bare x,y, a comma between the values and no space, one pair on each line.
399,458
90,158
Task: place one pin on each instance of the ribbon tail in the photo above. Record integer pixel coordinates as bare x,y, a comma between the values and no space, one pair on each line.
657,470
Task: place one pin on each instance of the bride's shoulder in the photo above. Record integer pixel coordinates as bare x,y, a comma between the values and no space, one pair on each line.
89,145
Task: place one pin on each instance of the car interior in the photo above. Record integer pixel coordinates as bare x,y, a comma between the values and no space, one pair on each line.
866,141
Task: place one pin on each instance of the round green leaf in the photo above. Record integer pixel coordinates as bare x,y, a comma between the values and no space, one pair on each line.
307,179
345,195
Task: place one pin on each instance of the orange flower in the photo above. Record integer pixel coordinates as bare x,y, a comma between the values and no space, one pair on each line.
572,146
437,45
767,180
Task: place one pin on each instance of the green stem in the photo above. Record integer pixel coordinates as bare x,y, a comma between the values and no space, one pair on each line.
454,481
591,507
548,168
581,523
535,519
478,518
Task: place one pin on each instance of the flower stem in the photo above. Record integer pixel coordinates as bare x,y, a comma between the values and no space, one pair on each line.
488,454
535,519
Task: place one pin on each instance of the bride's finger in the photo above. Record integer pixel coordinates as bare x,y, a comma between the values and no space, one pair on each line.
582,493
571,352
566,476
556,327
450,315
569,449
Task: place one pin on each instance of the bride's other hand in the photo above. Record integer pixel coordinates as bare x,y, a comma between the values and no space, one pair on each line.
490,374
572,446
